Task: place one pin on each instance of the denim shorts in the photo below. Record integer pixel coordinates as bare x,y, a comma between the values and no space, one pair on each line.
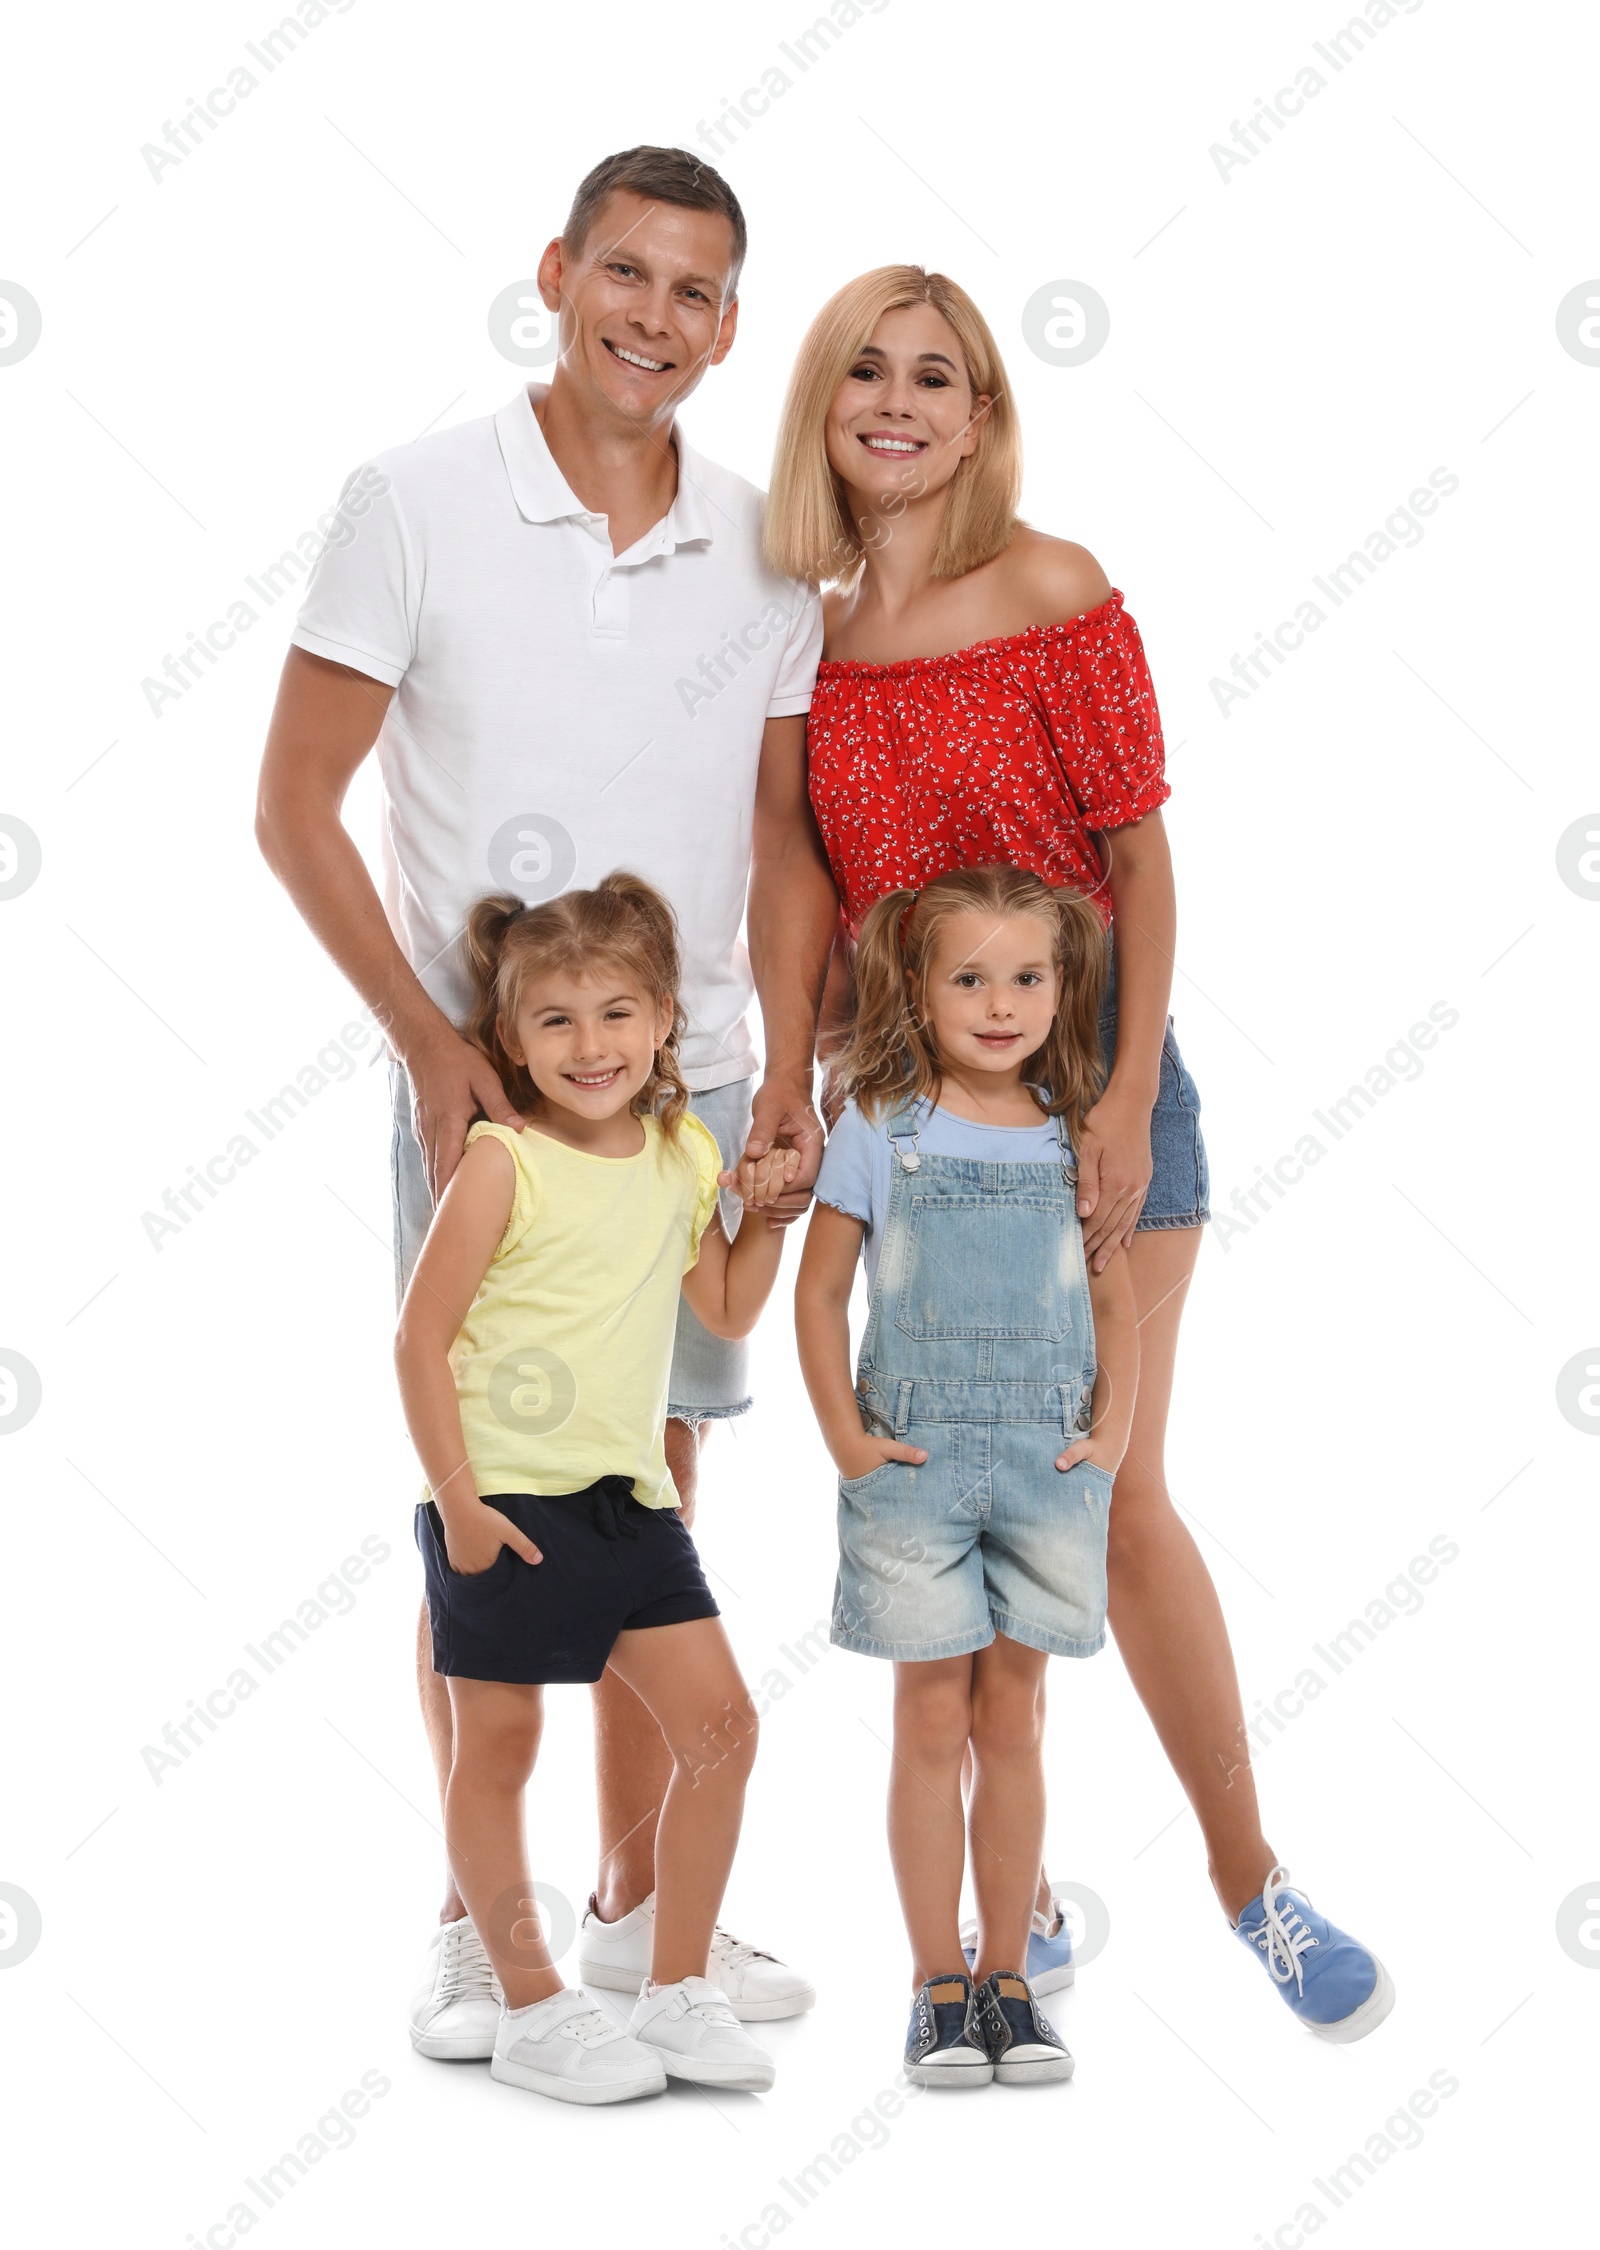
988,1536
710,1377
1179,1194
610,1566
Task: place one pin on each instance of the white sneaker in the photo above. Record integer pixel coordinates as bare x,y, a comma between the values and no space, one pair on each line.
455,2010
756,1985
571,2050
695,2032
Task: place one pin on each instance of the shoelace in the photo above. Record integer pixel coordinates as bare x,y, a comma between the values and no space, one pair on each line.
591,2029
712,2011
1284,1936
732,1952
465,1971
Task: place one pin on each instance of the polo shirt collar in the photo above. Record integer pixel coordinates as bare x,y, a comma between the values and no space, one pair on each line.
543,494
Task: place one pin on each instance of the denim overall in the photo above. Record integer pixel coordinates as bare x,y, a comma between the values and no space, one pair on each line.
979,1347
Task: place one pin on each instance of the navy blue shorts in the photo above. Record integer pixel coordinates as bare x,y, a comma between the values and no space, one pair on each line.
610,1566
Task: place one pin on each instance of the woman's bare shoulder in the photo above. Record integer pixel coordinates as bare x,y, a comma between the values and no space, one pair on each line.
1047,580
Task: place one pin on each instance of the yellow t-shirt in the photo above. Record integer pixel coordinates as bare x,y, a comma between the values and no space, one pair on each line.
562,1362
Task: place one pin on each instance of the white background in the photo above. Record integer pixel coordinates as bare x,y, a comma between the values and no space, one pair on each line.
1370,1365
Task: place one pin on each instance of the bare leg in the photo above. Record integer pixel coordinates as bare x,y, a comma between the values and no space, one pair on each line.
497,1728
685,1675
1163,1607
632,1764
1006,1811
438,1724
927,1830
1043,1898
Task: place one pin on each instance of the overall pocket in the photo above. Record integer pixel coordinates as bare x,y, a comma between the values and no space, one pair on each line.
1001,1265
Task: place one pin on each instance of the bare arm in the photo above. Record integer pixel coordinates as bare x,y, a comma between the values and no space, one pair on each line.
793,909
822,1328
465,1233
730,1283
325,721
1116,1383
1114,1163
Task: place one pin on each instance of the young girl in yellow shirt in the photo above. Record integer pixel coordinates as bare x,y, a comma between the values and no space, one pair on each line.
533,1354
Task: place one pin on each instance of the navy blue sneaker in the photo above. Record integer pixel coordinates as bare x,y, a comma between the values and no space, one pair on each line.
1327,1978
1024,2046
944,2046
1050,1966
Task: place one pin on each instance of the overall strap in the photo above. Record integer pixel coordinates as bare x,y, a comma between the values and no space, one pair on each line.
903,1128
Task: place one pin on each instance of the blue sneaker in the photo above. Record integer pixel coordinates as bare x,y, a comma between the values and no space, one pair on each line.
944,2045
1024,2046
1329,1980
1050,1965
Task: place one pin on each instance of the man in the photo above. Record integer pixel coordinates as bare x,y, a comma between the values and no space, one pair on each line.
557,627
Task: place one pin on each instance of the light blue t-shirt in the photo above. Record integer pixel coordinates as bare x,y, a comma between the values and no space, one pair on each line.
858,1162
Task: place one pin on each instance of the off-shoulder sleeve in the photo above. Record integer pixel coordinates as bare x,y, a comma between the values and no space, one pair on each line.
1100,710
525,1202
699,1145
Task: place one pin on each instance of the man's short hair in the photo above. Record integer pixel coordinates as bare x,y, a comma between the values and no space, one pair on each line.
660,175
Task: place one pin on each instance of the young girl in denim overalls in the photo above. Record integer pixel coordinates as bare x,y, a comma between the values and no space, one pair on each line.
991,1407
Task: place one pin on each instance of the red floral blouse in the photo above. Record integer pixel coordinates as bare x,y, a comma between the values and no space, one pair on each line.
1011,751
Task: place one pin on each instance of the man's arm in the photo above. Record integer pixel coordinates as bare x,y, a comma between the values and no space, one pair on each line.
790,919
325,721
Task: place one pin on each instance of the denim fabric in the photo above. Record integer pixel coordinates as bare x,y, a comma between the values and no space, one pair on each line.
979,1347
710,1378
1180,1182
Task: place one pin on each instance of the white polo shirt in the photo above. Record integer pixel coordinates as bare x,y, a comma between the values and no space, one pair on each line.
560,710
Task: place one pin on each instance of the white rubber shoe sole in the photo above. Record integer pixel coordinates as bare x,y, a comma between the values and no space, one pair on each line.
955,2074
589,2093
1034,2066
709,2070
1361,2020
460,2046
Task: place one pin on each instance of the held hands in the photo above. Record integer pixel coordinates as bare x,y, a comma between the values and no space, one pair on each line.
782,1123
761,1181
1113,1174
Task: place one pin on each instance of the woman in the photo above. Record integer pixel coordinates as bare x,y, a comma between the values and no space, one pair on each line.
984,697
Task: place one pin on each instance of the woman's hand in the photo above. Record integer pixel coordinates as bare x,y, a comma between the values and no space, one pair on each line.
1113,1173
474,1535
855,1459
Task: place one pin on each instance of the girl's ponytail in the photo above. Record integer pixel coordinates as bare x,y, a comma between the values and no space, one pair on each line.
883,1052
488,926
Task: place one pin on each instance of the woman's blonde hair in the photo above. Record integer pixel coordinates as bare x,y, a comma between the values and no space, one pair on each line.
623,921
890,1055
808,529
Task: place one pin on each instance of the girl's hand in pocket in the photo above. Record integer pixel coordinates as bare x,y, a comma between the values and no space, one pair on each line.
474,1536
1105,1450
857,1460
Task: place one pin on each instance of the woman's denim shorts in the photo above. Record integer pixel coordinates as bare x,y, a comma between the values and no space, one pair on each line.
1179,1194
